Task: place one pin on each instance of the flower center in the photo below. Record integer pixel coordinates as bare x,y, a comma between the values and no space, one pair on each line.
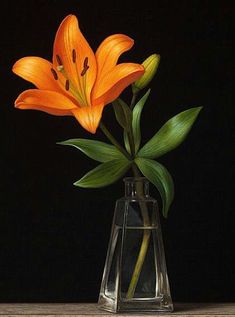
68,84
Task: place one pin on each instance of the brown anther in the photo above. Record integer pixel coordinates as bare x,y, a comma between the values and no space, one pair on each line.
54,73
85,67
67,84
74,56
85,62
84,71
59,61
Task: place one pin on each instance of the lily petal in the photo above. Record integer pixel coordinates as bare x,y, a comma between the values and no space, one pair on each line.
37,71
48,101
73,51
109,52
89,117
113,83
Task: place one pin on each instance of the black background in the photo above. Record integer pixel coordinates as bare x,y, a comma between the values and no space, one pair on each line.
53,236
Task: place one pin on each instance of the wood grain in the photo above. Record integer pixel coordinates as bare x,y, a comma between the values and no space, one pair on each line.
81,310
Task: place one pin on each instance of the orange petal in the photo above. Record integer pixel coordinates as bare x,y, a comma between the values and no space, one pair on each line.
110,50
112,84
37,71
89,117
48,101
69,39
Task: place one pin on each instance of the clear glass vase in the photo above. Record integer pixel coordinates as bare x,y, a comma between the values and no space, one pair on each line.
135,275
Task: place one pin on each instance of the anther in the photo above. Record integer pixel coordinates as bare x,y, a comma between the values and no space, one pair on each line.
85,62
84,71
74,56
54,74
85,67
67,84
59,61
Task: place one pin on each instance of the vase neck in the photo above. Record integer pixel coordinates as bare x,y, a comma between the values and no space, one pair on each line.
136,187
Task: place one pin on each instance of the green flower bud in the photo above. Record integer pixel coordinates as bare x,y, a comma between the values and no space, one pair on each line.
151,66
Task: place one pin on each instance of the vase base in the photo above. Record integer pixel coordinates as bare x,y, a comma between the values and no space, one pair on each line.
158,304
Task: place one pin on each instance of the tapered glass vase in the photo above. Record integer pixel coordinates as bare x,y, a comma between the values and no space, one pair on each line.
135,275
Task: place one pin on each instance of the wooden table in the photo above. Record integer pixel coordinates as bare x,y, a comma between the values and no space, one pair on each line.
86,310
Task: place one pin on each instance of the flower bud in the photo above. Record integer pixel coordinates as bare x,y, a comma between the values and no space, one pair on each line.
151,66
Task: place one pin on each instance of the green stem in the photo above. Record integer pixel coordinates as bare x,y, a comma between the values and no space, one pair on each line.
145,240
140,194
114,141
133,100
139,264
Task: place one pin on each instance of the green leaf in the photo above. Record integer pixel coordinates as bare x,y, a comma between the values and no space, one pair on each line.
104,174
123,113
136,120
99,151
171,134
157,174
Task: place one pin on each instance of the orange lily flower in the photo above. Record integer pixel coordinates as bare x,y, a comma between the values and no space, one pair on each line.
77,82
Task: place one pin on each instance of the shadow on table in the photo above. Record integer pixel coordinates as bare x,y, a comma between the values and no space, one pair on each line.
192,307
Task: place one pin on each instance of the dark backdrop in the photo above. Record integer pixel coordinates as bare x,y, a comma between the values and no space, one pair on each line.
53,236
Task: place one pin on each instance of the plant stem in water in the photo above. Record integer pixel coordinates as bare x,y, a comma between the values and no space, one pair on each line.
145,240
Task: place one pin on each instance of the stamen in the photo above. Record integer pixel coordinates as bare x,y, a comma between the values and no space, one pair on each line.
85,67
59,61
74,56
54,74
67,84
